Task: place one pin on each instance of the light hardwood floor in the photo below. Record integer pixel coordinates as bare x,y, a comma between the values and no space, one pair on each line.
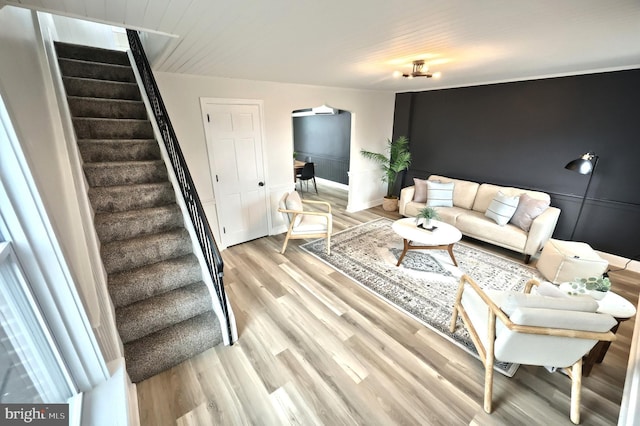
315,348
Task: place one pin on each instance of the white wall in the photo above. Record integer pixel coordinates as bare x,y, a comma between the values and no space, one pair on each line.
26,85
372,115
27,92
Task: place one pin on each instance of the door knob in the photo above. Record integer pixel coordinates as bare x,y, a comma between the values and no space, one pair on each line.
260,183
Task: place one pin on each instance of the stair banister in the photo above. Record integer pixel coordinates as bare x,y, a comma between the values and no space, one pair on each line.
206,241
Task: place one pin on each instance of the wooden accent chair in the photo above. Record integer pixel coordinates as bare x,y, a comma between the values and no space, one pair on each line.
531,329
305,223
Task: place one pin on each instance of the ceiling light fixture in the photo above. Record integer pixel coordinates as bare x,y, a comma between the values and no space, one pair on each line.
420,69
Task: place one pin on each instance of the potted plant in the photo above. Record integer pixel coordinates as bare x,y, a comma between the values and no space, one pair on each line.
398,160
425,215
597,287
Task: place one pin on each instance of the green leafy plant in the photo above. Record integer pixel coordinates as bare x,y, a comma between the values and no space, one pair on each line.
428,213
397,160
596,283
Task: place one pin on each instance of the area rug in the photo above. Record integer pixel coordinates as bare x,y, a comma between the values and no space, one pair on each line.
425,284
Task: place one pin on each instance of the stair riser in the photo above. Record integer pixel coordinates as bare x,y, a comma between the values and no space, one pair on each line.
111,228
118,199
154,314
91,54
119,256
112,129
138,284
113,174
101,89
169,347
106,108
94,70
94,151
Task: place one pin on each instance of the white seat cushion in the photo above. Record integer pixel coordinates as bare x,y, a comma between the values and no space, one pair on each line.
311,224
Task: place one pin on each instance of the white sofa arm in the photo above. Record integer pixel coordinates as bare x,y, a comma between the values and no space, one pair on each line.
541,230
406,195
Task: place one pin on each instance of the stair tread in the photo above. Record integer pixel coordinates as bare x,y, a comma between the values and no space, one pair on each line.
149,280
132,223
168,347
137,120
122,163
147,316
91,54
102,82
104,100
134,252
88,62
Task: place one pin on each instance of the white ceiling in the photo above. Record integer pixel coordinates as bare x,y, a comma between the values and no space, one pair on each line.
359,43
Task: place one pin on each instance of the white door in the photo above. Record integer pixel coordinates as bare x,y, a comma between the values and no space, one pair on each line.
235,157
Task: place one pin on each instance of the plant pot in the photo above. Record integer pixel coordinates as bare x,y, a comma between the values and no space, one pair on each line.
598,295
389,204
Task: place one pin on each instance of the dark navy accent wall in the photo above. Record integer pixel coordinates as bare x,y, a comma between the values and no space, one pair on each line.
327,140
523,133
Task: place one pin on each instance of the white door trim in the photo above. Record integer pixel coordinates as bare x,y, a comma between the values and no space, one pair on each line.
209,141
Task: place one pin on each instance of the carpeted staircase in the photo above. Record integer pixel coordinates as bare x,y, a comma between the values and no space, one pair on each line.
163,309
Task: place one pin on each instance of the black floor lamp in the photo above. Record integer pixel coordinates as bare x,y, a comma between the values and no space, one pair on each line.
585,165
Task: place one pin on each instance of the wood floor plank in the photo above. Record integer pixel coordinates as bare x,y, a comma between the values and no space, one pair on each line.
316,348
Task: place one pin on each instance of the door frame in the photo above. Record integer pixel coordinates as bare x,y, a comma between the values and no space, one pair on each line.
204,101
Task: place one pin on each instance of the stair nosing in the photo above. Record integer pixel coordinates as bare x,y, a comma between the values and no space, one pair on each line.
84,61
120,140
94,99
112,119
129,83
122,163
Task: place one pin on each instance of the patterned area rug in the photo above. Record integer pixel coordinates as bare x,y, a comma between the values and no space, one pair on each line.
425,284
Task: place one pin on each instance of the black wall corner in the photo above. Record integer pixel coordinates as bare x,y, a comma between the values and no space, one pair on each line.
522,134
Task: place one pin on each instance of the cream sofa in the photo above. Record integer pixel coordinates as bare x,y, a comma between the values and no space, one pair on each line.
470,202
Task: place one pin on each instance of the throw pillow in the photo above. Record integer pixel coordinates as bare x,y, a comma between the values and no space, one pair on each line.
420,194
528,209
502,208
295,203
550,290
515,300
439,194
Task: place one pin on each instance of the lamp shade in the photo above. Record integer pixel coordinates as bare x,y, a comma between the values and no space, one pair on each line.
583,165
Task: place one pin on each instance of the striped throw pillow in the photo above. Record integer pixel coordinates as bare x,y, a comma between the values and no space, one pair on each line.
502,208
439,194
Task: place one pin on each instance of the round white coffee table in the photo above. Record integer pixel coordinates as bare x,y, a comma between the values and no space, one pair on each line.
442,237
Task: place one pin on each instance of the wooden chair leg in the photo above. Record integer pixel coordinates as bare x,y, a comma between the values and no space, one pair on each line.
314,185
454,316
488,363
286,241
576,385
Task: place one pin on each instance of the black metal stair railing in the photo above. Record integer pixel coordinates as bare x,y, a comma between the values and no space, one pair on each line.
188,189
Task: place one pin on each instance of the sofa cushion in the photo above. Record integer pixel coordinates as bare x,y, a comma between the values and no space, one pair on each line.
440,194
484,197
464,191
477,225
450,214
420,194
528,209
502,208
